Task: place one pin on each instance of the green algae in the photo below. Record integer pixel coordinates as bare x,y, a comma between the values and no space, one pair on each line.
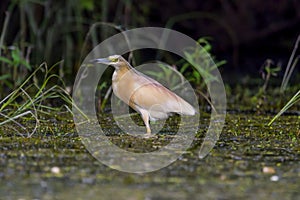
55,163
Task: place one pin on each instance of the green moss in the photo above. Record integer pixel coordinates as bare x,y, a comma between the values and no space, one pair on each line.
245,146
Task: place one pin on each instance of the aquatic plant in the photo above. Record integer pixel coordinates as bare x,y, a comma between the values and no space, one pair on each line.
291,102
203,56
268,69
287,75
290,66
31,99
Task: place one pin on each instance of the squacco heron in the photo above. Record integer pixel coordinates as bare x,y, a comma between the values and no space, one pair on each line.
146,96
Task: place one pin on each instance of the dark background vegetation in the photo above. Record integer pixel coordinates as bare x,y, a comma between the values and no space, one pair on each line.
244,33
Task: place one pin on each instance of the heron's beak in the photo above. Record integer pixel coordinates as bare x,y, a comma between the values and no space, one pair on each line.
101,60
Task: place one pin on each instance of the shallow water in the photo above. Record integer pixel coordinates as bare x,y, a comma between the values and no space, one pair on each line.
250,160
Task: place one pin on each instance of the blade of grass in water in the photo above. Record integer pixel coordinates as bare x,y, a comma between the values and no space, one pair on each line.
290,66
33,97
293,100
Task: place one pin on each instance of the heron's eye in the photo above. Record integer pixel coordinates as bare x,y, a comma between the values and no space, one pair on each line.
114,59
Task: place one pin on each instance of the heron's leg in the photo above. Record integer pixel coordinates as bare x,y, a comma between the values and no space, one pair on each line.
145,117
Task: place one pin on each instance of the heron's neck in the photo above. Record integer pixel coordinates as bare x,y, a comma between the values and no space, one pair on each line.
121,70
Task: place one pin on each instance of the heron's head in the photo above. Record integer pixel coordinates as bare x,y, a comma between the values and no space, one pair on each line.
116,60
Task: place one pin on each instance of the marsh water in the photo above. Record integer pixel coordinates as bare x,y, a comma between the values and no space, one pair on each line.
249,161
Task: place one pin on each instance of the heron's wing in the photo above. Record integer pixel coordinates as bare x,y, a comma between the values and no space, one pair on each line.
159,100
143,92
